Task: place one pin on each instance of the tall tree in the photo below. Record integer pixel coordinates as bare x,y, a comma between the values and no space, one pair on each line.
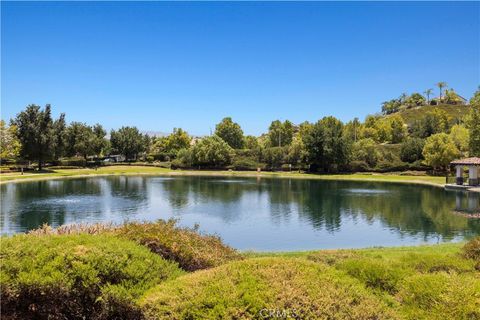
428,93
475,100
80,140
9,143
212,151
440,86
100,142
439,151
473,124
280,134
230,132
314,141
36,134
177,140
399,129
335,147
60,133
128,141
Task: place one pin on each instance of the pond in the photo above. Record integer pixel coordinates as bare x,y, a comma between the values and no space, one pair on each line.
252,213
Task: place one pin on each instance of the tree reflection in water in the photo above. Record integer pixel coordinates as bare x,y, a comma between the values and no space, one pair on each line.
300,205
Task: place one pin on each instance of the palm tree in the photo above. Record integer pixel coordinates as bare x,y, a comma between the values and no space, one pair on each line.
440,86
428,92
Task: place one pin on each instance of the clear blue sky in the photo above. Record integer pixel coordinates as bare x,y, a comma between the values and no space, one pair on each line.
163,65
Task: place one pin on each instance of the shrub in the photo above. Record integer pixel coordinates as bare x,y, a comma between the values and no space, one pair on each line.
191,250
76,276
471,250
244,163
376,274
440,296
293,288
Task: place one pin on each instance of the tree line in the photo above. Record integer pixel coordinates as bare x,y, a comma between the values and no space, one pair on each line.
380,142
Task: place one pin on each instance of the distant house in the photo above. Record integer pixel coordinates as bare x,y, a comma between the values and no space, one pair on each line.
453,98
114,158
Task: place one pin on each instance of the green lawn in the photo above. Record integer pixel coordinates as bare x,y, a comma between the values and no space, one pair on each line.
144,170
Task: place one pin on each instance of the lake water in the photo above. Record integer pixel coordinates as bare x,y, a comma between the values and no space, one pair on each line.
252,213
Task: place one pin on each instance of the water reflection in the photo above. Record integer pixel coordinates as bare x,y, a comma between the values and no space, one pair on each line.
255,213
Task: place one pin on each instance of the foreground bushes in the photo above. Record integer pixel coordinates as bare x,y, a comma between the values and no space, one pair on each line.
191,250
422,283
186,246
76,276
251,289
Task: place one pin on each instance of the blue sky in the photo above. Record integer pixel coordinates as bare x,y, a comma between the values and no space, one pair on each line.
158,65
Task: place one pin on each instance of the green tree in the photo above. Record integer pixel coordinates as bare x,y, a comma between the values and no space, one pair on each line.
412,149
415,100
352,130
473,125
428,93
80,139
36,134
365,150
212,151
274,156
9,144
251,142
100,142
398,129
177,140
384,130
60,136
460,136
230,132
327,149
314,142
434,122
129,142
280,134
336,148
475,100
439,151
440,86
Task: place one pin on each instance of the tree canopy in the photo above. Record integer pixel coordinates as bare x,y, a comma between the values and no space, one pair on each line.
230,132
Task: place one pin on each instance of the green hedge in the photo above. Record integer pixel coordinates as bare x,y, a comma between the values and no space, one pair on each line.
77,276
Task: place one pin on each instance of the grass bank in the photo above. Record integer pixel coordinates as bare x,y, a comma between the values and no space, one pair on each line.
144,170
160,271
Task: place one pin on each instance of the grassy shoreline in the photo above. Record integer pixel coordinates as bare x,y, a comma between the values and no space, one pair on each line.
145,170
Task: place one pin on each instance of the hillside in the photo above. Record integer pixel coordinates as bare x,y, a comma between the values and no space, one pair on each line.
453,111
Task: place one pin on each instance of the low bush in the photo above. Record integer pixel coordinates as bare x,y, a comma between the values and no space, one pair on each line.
471,250
190,249
186,246
244,163
374,273
440,296
77,276
264,288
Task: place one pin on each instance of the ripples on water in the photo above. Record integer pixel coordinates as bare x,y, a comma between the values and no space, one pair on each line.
252,213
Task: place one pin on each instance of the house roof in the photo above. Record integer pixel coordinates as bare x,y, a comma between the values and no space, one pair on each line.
467,161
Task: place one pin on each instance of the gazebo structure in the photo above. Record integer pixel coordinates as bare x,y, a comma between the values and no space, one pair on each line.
473,165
